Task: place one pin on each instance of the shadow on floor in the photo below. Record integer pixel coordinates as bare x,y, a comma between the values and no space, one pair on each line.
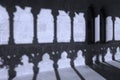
107,70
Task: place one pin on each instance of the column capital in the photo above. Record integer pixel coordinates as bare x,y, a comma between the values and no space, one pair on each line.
35,11
10,10
103,12
55,12
72,14
113,18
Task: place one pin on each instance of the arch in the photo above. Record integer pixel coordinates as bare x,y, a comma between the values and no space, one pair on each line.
109,28
79,27
26,68
63,27
4,26
79,59
64,62
45,31
23,32
108,56
46,64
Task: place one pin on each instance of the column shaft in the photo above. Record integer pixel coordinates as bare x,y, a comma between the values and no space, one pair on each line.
72,30
72,14
55,13
35,39
35,11
102,26
11,24
55,29
90,25
113,19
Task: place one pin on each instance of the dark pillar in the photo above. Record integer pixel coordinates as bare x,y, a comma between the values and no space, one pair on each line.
90,25
113,19
102,26
72,14
102,33
55,65
11,11
35,12
35,58
90,34
11,73
55,13
89,55
36,71
55,57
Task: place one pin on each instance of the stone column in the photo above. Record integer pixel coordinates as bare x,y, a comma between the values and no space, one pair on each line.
11,11
102,26
90,25
55,13
90,34
113,19
35,12
72,14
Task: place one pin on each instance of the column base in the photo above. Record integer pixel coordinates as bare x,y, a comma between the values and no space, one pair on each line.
54,41
35,41
71,40
11,41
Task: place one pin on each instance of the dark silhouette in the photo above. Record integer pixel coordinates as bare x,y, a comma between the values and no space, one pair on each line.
12,53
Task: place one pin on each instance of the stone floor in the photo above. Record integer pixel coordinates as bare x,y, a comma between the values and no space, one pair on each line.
66,74
102,71
109,70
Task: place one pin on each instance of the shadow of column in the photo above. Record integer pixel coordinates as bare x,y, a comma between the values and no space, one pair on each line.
55,56
36,71
35,58
11,73
73,55
73,66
